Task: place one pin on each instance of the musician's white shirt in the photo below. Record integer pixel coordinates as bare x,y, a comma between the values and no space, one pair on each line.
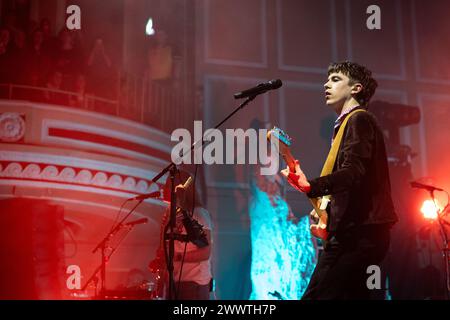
199,272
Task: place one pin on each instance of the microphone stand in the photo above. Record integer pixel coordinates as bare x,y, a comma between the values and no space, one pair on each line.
103,245
172,169
445,249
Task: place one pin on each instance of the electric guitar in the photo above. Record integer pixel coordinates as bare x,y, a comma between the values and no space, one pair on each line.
319,204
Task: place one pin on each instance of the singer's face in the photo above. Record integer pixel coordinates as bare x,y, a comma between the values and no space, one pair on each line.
337,90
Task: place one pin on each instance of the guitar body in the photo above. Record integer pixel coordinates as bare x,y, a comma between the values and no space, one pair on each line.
319,229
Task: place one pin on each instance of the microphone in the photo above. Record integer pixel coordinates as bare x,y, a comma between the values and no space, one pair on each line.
259,89
415,184
139,221
155,194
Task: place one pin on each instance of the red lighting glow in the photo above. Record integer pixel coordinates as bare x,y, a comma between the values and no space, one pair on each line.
429,210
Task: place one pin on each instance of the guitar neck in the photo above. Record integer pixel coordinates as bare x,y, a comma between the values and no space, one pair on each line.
284,143
289,159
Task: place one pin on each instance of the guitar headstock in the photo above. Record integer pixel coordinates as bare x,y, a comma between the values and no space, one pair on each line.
280,135
284,143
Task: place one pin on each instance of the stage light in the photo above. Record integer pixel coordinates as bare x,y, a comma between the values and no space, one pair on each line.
430,210
149,27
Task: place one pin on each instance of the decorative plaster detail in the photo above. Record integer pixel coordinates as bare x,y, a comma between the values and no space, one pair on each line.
67,175
142,186
84,176
12,170
129,183
50,173
12,127
71,175
115,181
100,179
32,171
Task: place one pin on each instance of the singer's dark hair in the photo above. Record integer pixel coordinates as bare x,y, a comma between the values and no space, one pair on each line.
357,74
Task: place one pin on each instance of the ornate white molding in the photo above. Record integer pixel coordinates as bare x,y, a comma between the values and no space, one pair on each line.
91,165
52,109
123,150
12,127
75,176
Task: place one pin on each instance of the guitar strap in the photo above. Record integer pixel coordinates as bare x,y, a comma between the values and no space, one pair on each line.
332,155
322,202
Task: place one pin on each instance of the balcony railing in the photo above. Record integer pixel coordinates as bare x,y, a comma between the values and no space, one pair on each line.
137,99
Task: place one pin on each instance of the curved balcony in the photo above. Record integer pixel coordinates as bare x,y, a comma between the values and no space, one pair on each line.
138,100
87,163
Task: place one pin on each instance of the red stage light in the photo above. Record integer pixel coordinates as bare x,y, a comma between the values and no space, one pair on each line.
430,209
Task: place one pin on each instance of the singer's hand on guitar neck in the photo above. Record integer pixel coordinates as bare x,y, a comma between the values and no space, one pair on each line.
297,179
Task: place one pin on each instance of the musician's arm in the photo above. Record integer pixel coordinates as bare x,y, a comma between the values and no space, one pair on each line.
357,150
197,255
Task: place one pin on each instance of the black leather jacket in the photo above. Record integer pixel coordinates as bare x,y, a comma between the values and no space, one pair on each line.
359,184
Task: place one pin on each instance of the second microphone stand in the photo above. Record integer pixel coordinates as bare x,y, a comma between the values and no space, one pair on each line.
103,246
172,169
445,243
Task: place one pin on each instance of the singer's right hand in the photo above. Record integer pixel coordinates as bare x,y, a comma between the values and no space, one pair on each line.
297,179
